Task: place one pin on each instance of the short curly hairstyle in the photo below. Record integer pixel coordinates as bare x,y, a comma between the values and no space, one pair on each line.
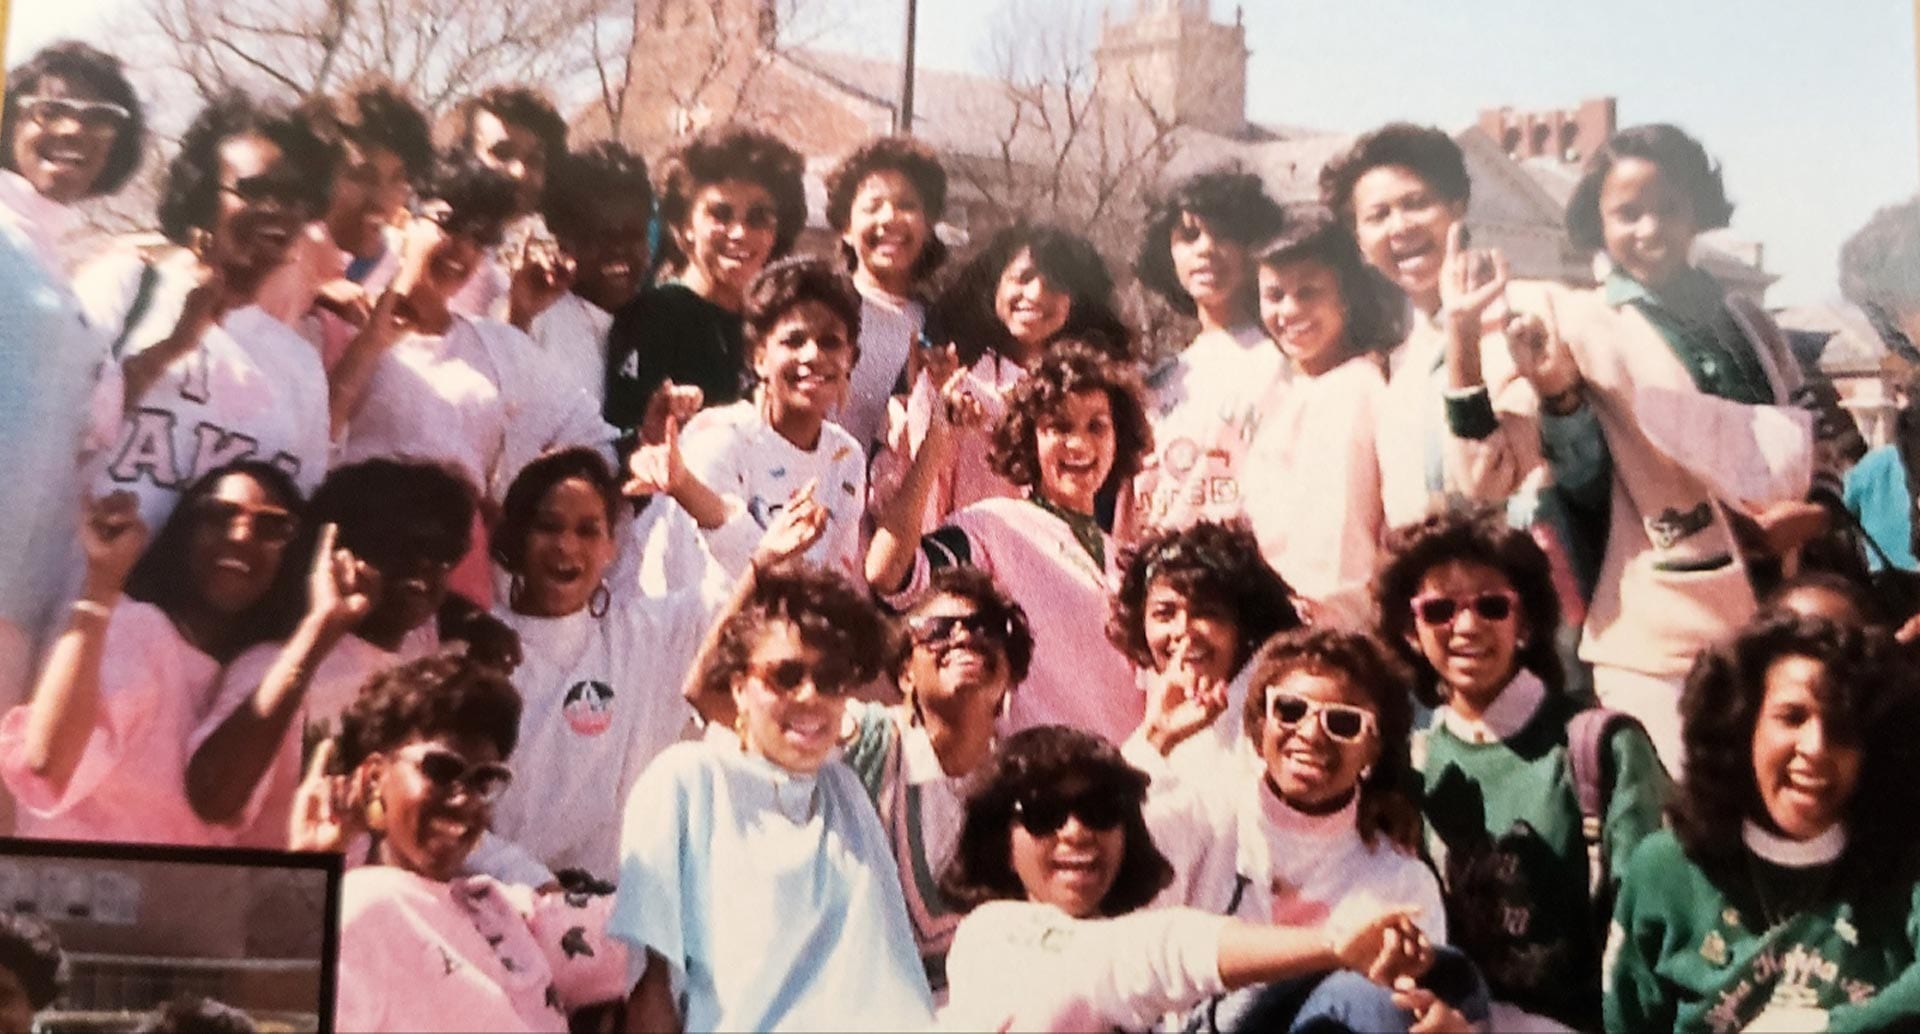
1880,263
729,152
447,694
1427,152
963,312
990,601
514,105
831,614
97,72
1068,367
787,283
190,194
1386,803
375,113
1376,310
1218,569
30,950
1475,535
582,185
1235,204
479,198
507,542
1680,158
1032,764
911,159
1870,698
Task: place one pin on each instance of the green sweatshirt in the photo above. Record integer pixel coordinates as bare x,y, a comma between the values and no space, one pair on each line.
1688,954
1503,829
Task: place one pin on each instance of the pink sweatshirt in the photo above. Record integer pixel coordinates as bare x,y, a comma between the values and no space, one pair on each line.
971,476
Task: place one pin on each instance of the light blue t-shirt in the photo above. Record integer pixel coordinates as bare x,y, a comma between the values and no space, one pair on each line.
1877,492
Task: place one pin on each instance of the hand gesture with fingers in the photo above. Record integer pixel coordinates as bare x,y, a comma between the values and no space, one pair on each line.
956,409
794,529
324,816
1430,1014
1471,280
669,401
541,276
1541,356
345,299
1380,948
341,588
657,469
1181,701
113,536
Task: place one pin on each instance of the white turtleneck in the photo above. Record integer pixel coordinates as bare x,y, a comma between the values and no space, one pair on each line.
1794,854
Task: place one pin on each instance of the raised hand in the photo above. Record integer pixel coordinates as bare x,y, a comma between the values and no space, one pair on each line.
1540,355
541,276
345,299
113,536
669,401
1471,280
324,815
794,530
657,469
423,234
1180,701
341,588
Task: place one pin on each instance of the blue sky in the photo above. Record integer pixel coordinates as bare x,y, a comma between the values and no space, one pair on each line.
1811,107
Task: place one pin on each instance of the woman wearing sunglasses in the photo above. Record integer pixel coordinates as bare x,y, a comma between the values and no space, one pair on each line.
423,947
72,129
754,872
1055,867
1470,602
101,752
1192,607
209,376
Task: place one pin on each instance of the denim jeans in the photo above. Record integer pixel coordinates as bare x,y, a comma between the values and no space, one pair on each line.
1339,1001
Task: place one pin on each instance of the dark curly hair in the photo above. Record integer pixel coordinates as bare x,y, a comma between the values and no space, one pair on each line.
1475,535
521,106
728,152
30,950
582,185
911,159
1376,310
790,281
1386,803
990,601
1858,595
1234,203
96,72
1869,697
1880,263
830,613
1068,367
1427,152
507,542
1680,158
1031,764
480,199
190,194
1218,568
375,113
963,311
198,1015
160,577
447,694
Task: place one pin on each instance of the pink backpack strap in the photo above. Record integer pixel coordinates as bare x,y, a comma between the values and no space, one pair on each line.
1587,762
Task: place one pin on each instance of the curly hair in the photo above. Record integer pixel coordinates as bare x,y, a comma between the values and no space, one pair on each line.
1869,697
479,198
1426,152
1030,764
1386,803
583,184
1474,535
521,106
1880,263
785,284
1234,203
161,578
911,159
190,194
829,612
1680,158
447,694
97,72
990,601
1218,569
1856,595
731,152
963,313
375,113
1376,310
30,950
1068,367
507,542
198,1015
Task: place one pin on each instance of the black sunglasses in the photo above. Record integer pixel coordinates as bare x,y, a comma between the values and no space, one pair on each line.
1097,809
1441,610
937,629
486,781
288,192
786,677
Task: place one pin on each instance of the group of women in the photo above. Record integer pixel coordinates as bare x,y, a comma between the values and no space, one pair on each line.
706,637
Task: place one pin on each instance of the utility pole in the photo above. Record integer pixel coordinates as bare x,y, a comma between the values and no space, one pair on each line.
904,124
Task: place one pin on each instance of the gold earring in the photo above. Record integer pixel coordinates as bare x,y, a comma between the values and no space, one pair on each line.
376,814
740,729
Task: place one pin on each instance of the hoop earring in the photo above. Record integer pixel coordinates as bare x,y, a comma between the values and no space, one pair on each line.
376,813
740,729
1366,773
601,601
516,591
